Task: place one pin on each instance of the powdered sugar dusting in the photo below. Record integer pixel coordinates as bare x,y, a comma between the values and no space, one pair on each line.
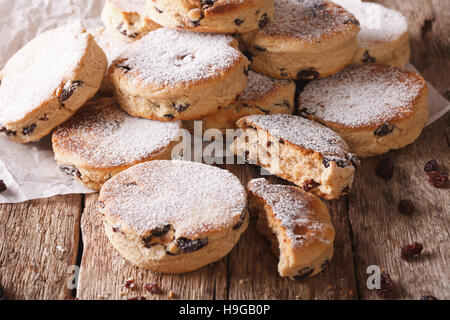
172,57
36,71
112,45
378,23
294,209
193,197
102,135
308,20
363,95
304,133
260,85
130,6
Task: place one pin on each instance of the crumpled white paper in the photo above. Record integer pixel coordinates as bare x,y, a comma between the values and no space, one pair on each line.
30,171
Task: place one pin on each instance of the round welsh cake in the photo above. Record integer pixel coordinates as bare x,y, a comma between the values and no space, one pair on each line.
307,39
384,36
173,216
375,108
179,75
102,140
47,81
218,16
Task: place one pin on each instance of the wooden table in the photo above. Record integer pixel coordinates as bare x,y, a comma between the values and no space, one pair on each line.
40,240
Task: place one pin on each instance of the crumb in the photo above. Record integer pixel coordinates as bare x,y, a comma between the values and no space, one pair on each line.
61,249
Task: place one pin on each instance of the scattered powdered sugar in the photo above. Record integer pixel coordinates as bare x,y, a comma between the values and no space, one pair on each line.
302,132
104,136
308,20
294,209
378,23
130,6
362,95
112,45
37,70
195,198
172,57
259,85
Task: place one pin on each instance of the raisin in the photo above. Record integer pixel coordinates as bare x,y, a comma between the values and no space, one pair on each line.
152,288
269,143
246,155
29,130
115,229
386,285
406,207
169,116
346,190
44,117
187,245
431,165
283,72
71,171
181,107
238,22
147,241
367,58
281,141
309,74
260,48
325,263
9,133
428,297
304,273
385,169
3,186
411,250
339,162
159,10
308,185
384,130
158,232
354,160
129,284
68,92
437,179
266,112
122,66
241,221
263,21
354,21
137,298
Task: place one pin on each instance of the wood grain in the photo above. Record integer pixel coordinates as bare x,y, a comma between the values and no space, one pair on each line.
38,242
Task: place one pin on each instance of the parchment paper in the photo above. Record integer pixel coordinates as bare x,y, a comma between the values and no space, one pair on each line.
30,171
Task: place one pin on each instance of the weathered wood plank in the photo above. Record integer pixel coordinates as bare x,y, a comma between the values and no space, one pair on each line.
103,271
380,230
38,243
